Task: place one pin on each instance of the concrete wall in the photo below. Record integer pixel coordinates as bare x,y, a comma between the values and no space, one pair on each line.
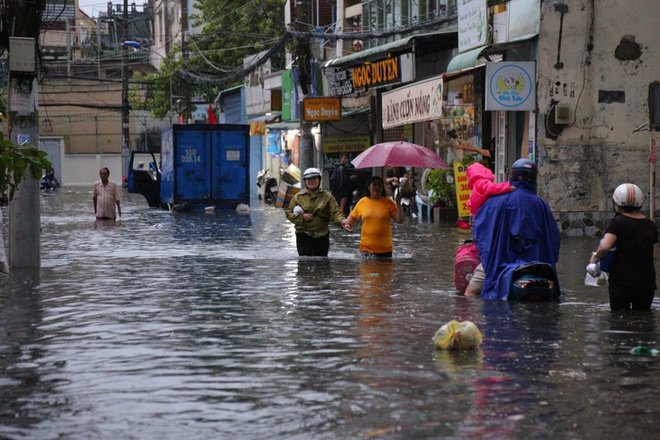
608,58
83,169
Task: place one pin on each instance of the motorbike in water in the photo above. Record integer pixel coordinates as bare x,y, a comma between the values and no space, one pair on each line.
534,281
267,187
49,182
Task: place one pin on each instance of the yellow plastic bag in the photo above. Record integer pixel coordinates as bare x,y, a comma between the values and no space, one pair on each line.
457,335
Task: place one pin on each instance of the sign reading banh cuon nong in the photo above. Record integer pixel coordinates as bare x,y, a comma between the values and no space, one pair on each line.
418,102
511,86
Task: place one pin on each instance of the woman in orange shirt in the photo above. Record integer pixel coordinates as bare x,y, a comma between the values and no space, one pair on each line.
376,212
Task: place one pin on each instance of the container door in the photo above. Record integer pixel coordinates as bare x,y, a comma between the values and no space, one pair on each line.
230,165
193,164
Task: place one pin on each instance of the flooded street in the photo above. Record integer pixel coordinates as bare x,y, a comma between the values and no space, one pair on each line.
197,325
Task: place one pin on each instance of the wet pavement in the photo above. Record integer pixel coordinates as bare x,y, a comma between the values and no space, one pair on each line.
196,325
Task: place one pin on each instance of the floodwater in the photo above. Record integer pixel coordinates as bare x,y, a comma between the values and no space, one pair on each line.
209,326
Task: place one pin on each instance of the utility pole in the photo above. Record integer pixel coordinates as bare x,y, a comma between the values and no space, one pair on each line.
23,123
185,86
304,78
125,127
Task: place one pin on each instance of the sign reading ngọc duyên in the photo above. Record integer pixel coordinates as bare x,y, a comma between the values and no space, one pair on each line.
462,190
322,109
377,73
345,144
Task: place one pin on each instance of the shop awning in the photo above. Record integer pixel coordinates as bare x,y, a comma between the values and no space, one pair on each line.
465,60
265,118
363,55
258,123
396,45
288,125
354,111
469,59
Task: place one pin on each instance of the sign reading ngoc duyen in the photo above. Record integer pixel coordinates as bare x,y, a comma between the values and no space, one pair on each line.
418,102
321,109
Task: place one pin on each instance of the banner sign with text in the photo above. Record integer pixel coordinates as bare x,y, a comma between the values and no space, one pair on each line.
345,144
462,190
377,73
472,24
418,102
321,109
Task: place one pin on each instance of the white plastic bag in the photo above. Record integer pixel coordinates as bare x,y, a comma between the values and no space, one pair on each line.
601,280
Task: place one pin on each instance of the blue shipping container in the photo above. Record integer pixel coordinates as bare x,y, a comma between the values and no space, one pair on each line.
205,165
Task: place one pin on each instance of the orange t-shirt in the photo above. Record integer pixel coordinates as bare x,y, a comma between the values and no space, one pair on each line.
376,216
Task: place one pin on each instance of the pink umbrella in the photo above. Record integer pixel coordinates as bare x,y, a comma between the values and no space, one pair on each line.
398,154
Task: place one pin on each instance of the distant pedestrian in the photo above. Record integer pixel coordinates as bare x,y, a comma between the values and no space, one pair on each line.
106,197
376,211
340,183
632,275
392,177
311,211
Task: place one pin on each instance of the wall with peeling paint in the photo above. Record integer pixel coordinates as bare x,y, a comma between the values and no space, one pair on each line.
600,66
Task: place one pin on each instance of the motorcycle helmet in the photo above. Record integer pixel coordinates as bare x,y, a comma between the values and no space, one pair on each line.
628,195
525,170
311,172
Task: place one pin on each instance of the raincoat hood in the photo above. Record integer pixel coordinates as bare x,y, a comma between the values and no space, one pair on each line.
476,172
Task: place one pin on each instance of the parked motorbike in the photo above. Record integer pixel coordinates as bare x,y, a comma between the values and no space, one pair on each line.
267,187
530,282
49,182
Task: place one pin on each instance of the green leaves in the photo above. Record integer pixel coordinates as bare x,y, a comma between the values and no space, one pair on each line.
15,161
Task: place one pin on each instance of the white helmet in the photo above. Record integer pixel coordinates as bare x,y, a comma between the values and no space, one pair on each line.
628,195
311,172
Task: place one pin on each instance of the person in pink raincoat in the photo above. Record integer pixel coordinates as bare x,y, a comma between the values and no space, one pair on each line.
481,183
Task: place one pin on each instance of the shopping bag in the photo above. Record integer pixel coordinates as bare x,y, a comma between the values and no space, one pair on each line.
457,335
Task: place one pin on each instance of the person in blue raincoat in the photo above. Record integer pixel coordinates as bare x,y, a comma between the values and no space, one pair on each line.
513,229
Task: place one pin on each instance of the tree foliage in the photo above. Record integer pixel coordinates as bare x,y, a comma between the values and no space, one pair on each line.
232,30
158,93
15,161
443,184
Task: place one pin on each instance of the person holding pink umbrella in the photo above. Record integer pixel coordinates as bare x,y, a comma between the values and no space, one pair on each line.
376,212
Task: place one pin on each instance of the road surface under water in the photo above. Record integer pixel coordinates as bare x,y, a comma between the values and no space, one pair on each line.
196,325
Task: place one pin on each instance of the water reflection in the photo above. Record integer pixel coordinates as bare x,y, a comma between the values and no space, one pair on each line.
20,353
198,325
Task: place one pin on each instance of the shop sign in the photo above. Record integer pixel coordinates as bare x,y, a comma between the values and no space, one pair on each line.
346,144
377,73
340,81
321,109
511,86
462,189
419,102
472,24
524,19
257,99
